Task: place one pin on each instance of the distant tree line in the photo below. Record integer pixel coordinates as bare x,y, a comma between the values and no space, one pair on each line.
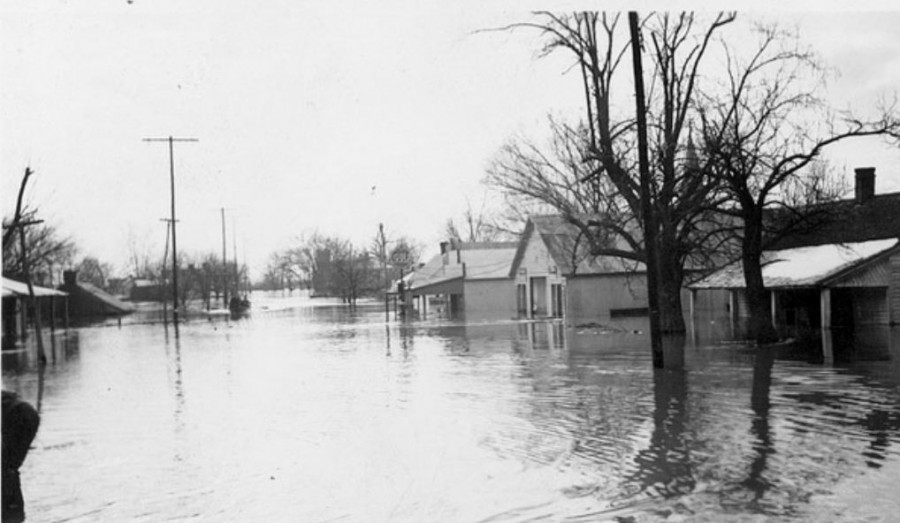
334,267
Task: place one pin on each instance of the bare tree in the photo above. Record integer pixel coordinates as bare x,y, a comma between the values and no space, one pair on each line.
93,271
392,256
558,178
475,225
677,45
775,125
354,273
141,264
47,249
329,265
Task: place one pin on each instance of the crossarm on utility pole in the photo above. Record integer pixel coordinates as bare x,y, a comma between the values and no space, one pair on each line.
171,142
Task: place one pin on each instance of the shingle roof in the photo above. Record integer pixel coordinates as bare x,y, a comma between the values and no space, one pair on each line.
569,253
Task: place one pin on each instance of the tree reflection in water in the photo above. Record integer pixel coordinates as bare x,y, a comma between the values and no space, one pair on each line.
761,404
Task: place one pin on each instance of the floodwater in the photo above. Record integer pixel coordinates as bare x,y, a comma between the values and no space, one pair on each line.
306,411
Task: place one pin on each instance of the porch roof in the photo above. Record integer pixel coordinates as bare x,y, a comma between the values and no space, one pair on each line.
801,266
433,273
482,262
17,288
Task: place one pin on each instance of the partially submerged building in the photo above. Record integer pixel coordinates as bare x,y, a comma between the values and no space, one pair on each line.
838,283
469,279
89,301
556,276
141,289
15,297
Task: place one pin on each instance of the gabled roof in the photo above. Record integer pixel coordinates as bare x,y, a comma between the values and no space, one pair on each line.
17,288
567,250
810,266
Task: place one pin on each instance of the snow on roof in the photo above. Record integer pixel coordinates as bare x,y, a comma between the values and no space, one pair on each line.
485,264
482,262
434,271
800,266
17,288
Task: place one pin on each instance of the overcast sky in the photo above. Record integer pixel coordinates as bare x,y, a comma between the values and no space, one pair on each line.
309,115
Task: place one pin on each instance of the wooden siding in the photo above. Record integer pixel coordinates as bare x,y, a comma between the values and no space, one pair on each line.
490,299
539,272
894,289
870,307
877,274
590,298
537,261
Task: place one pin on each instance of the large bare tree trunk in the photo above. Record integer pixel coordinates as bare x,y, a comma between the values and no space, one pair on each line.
670,283
760,327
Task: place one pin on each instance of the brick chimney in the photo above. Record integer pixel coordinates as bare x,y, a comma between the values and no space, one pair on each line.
865,184
70,278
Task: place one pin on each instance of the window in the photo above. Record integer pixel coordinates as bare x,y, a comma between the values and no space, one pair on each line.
522,299
556,297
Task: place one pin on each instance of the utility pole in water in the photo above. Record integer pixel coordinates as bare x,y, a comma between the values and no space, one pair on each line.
172,141
224,266
647,215
384,268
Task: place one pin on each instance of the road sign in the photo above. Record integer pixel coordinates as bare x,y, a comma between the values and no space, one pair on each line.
400,256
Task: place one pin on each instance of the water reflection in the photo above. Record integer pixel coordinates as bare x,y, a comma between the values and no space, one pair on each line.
665,468
176,379
318,413
760,428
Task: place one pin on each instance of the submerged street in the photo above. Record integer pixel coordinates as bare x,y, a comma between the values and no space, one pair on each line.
308,411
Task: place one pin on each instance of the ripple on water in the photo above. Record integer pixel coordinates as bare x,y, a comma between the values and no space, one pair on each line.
317,414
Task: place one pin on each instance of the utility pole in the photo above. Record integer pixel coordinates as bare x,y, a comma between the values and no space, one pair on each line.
646,211
224,266
387,282
172,141
237,271
169,224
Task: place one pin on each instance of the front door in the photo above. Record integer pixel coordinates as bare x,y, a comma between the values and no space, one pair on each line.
538,296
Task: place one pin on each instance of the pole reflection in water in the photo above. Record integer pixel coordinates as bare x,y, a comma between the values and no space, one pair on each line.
176,379
665,468
406,339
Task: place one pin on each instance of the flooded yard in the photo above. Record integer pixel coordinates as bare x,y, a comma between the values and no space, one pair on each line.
307,411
